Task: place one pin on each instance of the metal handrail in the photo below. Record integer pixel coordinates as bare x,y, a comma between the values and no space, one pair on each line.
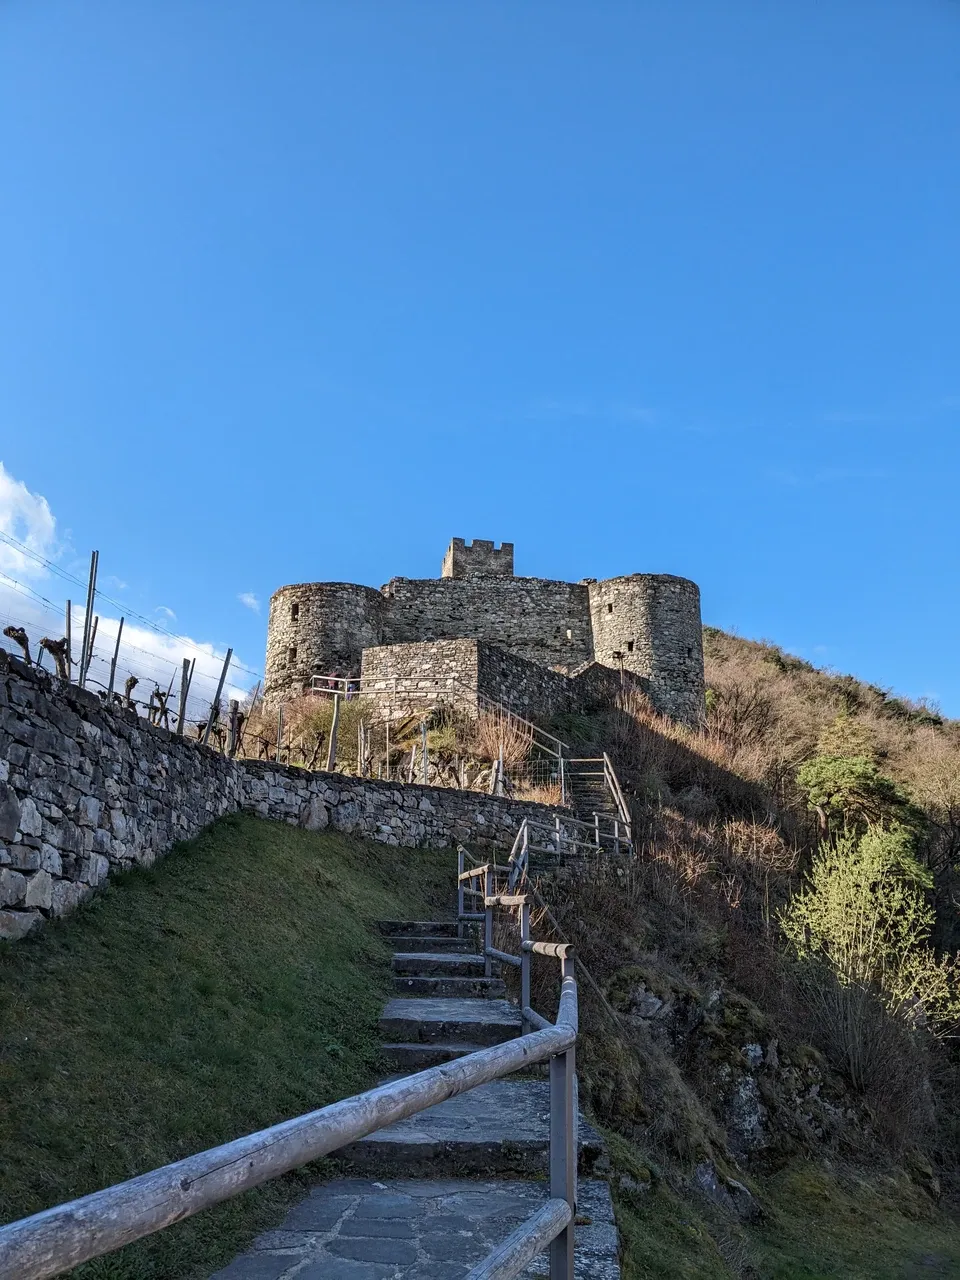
56,1240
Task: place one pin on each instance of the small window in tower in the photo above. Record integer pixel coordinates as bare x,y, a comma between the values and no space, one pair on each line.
629,646
569,634
294,611
609,608
689,653
292,654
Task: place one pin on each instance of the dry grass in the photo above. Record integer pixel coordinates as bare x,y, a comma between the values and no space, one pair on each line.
492,731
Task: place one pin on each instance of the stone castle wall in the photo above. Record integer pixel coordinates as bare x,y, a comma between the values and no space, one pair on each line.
651,621
403,679
535,618
87,791
477,559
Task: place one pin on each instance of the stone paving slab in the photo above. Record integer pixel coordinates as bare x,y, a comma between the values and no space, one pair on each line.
407,1229
500,1127
477,1020
425,963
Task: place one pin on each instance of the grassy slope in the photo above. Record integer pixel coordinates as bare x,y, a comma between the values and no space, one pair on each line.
235,984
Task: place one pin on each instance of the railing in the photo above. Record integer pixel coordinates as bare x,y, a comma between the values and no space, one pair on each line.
61,1238
606,771
552,1225
565,837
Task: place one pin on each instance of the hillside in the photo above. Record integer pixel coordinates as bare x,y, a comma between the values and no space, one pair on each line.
235,984
776,1057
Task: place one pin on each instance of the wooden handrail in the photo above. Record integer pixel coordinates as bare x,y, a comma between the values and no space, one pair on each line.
59,1239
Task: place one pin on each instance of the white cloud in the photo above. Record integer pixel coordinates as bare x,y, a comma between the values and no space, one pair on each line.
250,600
26,517
33,597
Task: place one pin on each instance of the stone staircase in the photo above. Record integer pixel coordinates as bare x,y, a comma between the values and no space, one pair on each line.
589,790
440,1189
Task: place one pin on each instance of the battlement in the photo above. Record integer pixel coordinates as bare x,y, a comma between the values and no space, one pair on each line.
477,559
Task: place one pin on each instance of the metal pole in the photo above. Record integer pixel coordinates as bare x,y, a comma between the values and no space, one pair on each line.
460,907
215,705
487,923
524,961
563,1148
68,638
279,730
386,768
563,782
88,616
425,761
113,663
596,830
332,745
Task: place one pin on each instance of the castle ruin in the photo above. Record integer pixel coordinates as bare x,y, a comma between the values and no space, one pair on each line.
644,625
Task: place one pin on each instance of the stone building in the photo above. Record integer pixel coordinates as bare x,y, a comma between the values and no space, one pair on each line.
644,623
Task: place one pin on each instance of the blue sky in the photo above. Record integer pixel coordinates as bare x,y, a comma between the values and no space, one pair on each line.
298,291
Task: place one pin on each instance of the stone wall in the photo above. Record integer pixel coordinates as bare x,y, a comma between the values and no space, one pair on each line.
653,621
477,559
319,628
534,618
406,678
86,791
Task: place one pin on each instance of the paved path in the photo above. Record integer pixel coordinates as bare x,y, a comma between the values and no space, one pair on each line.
418,1216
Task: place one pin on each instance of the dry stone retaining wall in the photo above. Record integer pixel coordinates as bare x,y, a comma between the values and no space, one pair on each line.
86,791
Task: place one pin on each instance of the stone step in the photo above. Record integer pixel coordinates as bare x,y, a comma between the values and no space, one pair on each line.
459,988
481,1022
498,1128
426,942
413,928
417,1056
427,964
411,1229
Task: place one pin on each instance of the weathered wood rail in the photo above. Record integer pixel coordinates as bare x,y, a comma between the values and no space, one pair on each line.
58,1239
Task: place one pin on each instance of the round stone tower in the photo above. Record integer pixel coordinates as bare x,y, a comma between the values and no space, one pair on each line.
653,621
318,628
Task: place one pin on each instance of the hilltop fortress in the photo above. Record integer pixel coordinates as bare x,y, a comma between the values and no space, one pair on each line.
477,616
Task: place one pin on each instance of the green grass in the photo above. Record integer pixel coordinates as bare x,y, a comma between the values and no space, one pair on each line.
817,1225
235,984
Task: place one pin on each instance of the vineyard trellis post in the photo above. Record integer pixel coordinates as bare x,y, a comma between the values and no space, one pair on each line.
113,663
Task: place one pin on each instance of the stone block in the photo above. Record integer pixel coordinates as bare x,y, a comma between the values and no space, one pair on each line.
13,886
24,857
17,924
31,824
9,812
88,811
50,860
39,891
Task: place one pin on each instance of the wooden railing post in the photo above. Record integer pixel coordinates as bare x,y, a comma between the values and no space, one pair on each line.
525,961
563,1149
487,923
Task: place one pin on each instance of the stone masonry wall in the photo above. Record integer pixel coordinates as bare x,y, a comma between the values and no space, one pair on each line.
86,791
479,558
653,621
534,618
319,628
406,678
